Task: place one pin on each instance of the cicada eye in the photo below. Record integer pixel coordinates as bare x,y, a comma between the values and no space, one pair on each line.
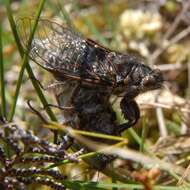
148,81
137,76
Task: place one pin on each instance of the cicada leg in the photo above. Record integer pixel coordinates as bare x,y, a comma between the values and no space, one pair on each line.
37,112
39,83
66,141
64,108
130,112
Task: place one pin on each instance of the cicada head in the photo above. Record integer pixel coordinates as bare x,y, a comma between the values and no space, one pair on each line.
144,78
137,77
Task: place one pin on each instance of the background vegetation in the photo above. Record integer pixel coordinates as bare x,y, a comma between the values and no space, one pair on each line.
154,154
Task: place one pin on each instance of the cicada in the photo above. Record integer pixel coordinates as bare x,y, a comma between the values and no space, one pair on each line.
91,73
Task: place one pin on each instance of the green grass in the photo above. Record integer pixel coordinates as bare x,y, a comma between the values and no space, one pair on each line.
144,133
2,79
25,64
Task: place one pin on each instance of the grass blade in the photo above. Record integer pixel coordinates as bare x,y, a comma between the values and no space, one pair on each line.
13,27
92,27
26,65
3,99
25,58
64,13
143,135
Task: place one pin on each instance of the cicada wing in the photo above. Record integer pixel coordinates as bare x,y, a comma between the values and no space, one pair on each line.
62,51
55,47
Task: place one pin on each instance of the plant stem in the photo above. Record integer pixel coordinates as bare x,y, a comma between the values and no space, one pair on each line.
26,65
2,81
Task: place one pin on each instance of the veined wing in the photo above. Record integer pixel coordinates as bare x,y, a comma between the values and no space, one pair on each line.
63,52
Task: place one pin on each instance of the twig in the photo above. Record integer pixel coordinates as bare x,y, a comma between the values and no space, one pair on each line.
161,123
171,66
183,128
165,43
188,67
177,20
186,115
165,46
154,104
186,173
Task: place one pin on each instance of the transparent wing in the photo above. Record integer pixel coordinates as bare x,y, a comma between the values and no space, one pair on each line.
55,47
64,52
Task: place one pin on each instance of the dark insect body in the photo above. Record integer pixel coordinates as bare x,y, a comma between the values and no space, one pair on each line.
68,56
90,74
